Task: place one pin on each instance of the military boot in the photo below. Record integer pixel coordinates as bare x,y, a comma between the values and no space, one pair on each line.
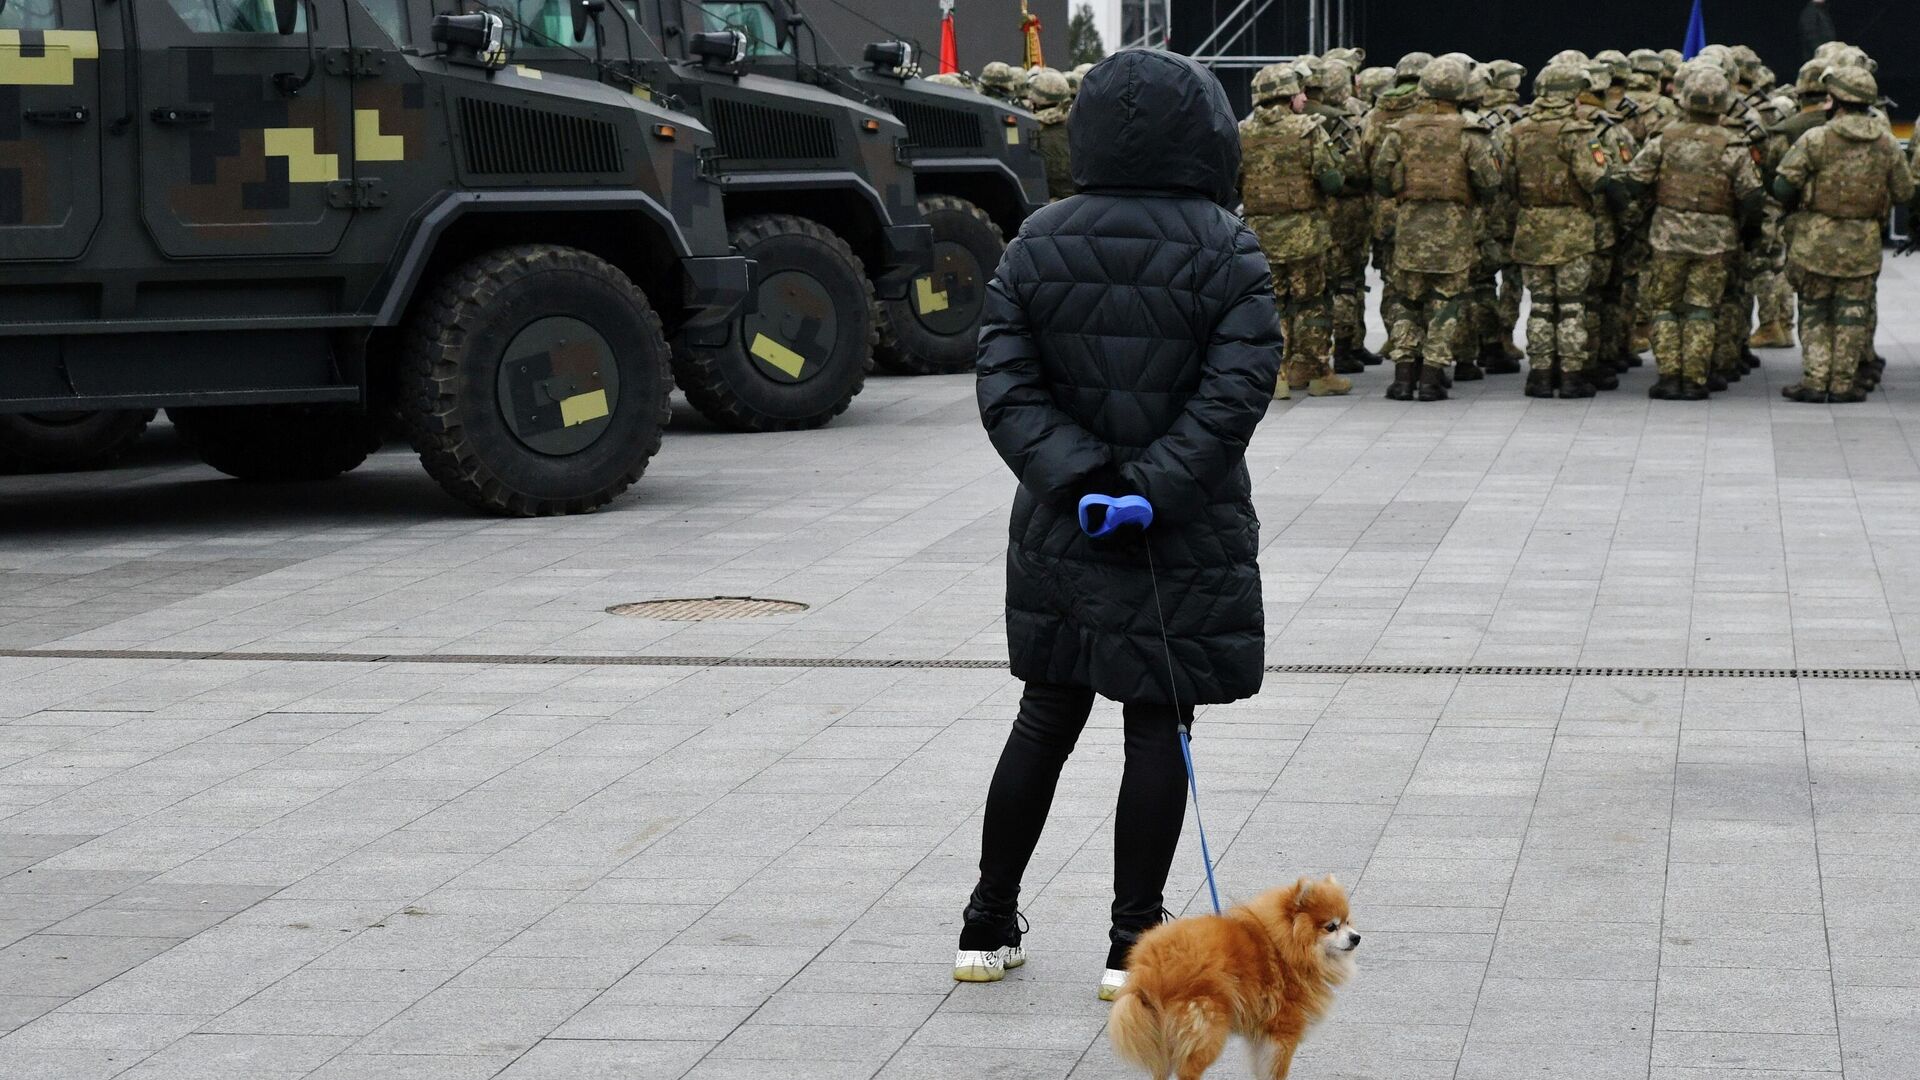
1367,356
1631,358
1749,357
1600,377
1405,374
1540,383
1345,360
1467,371
1666,389
1514,352
1432,384
1692,390
1495,361
1641,340
1715,383
1807,395
1771,335
1281,391
1851,395
1578,384
1329,386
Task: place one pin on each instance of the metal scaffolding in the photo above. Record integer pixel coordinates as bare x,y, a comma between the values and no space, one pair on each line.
1246,35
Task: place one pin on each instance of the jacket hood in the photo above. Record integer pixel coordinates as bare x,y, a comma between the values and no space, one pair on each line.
1154,121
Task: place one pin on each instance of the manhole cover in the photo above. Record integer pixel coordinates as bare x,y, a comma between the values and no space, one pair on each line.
707,607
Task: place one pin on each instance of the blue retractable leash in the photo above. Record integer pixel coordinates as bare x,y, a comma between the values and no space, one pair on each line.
1113,513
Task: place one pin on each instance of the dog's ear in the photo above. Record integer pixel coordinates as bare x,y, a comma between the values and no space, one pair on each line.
1331,880
1303,894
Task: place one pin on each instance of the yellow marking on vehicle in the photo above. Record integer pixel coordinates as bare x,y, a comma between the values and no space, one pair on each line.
927,298
1013,136
369,144
581,408
55,66
527,72
304,166
643,93
778,355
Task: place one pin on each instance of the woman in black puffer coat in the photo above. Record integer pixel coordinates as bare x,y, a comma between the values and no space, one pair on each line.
1129,346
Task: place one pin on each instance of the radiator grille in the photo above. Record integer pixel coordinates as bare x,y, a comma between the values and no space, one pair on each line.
502,138
937,127
744,130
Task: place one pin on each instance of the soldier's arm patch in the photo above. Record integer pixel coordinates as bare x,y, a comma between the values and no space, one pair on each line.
1599,153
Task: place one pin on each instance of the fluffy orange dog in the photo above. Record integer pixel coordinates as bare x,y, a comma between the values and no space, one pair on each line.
1265,970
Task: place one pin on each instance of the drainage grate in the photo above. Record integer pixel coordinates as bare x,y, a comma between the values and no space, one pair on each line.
707,607
776,607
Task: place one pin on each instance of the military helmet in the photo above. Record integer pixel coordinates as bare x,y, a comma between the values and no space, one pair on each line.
1764,79
997,78
1460,56
1082,69
1564,80
1852,84
1721,55
1811,80
1479,84
1072,75
1746,58
1506,75
1330,75
1646,62
1445,79
1672,58
1826,49
1855,56
951,78
1618,66
1356,58
1370,81
1049,88
1275,83
1412,66
1707,91
1570,56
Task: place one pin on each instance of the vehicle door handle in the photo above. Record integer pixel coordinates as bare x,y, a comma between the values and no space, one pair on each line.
66,114
167,114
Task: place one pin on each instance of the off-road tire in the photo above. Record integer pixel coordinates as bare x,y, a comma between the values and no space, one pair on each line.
907,346
726,385
68,441
279,443
450,363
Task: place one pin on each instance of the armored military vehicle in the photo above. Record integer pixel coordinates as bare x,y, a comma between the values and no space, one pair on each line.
817,190
284,220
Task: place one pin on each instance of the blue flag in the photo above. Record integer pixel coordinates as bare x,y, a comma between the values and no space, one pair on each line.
1696,33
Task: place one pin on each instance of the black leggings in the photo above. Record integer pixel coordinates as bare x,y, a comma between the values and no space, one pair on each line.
1153,800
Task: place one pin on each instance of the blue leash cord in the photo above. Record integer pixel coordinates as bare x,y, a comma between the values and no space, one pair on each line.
1206,857
1186,740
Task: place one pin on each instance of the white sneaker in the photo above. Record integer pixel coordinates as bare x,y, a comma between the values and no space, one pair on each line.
1111,983
990,965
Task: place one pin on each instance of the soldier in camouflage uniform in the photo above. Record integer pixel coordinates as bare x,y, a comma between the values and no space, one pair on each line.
1393,104
1842,178
1732,357
1051,99
1703,185
1503,109
953,78
1004,82
1608,317
1557,169
1074,75
1288,168
1810,101
1492,230
1329,92
1647,111
1434,165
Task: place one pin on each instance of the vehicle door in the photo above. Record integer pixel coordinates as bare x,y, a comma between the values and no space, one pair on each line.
49,128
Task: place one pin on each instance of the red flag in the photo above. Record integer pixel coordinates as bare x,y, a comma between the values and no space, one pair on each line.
949,49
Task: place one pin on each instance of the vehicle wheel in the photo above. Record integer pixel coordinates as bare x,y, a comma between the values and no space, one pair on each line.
535,380
802,354
68,441
933,330
279,442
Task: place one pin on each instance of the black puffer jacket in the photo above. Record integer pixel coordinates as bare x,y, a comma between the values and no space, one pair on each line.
1130,340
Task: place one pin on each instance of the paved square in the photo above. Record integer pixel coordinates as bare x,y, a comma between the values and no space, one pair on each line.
250,828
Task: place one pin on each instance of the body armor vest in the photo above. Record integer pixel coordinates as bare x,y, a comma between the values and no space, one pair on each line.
1693,175
1278,167
1545,179
1433,153
1852,181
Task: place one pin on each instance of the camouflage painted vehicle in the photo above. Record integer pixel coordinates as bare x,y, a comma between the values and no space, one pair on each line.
285,222
817,193
976,168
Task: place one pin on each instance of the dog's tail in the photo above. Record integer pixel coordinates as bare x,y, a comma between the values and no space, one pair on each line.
1139,1033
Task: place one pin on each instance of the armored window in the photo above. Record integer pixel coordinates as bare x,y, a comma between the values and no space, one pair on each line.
752,19
232,16
548,23
392,17
30,15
